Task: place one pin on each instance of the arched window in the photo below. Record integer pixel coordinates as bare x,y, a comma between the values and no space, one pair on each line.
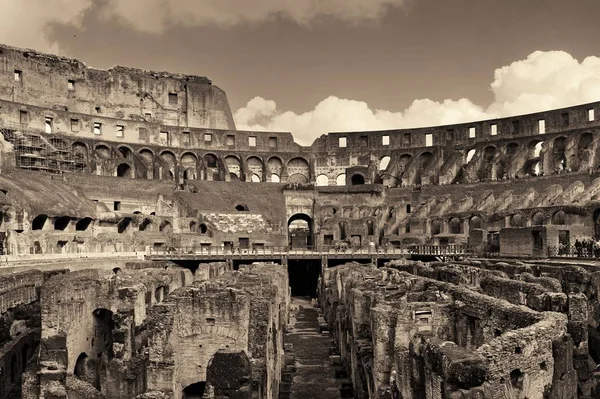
537,219
341,180
559,218
322,180
384,163
358,179
455,226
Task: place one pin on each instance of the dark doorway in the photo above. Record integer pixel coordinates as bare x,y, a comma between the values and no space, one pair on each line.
194,391
303,277
493,242
358,180
244,242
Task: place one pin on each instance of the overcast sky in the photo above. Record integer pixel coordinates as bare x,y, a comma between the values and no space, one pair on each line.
312,66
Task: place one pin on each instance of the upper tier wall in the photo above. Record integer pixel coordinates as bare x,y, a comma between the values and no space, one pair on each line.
582,116
54,82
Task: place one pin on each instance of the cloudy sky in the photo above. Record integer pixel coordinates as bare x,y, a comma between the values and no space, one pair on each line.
313,66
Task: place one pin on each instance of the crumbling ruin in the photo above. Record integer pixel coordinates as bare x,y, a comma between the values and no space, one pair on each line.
149,249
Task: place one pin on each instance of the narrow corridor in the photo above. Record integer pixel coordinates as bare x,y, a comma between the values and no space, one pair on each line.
314,376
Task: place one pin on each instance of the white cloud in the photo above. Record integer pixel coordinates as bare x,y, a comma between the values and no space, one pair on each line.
24,23
544,80
155,15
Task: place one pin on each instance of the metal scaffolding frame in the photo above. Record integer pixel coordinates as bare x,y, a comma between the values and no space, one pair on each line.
38,151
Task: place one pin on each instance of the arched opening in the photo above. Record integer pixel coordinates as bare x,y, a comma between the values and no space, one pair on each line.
83,224
322,180
235,167
38,222
298,170
192,226
202,228
242,208
194,391
486,171
470,155
535,148
537,219
424,161
343,230
103,151
147,156
298,178
559,158
436,227
584,150
300,230
165,227
370,228
475,222
255,166
145,224
275,178
126,153
275,167
234,177
80,364
124,170
340,180
455,226
402,165
210,161
62,223
123,225
189,164
559,218
517,220
357,179
384,163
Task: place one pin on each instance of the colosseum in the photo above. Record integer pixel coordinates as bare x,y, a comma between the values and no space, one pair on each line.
150,250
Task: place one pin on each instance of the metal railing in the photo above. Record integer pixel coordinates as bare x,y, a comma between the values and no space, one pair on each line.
274,251
435,250
586,250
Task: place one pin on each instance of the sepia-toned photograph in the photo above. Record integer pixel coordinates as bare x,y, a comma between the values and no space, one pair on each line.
299,199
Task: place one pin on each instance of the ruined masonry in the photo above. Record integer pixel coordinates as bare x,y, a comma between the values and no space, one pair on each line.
150,250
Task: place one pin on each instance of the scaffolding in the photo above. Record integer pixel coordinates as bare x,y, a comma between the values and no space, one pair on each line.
35,151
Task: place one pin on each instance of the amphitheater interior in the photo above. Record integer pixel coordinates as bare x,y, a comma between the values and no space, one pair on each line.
150,250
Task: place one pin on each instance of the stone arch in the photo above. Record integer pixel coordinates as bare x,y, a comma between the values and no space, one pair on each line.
38,222
256,168
103,151
455,226
535,148
189,163
124,170
384,163
475,222
537,219
80,152
275,167
194,391
470,155
126,152
211,160
234,165
424,161
340,180
322,180
123,225
402,164
584,158
298,170
147,155
202,228
559,157
165,227
171,160
193,226
62,223
436,227
486,171
80,366
559,218
300,234
145,224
